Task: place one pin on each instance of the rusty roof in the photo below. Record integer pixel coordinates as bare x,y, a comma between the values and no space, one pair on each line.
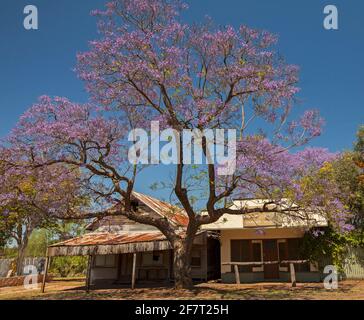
92,239
112,243
164,209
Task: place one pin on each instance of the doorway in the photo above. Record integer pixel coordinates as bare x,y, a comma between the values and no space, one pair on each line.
270,253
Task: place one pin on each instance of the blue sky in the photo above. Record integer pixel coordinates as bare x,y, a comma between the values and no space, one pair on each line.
39,62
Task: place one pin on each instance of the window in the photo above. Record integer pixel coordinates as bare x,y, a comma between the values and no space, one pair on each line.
241,252
152,259
295,253
196,258
282,254
106,261
257,248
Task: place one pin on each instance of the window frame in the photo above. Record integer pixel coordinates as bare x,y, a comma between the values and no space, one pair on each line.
155,263
260,268
200,257
241,254
104,257
281,269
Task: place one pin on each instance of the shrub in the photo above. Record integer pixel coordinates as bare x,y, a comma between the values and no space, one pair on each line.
68,266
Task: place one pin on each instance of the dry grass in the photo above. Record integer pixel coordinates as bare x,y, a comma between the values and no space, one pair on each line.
74,290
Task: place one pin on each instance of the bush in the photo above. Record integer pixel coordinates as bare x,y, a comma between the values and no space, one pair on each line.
324,244
68,266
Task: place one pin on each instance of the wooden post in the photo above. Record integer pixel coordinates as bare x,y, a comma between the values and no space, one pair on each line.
293,275
237,274
133,272
48,259
88,275
119,268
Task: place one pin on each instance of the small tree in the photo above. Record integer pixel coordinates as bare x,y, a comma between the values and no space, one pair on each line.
149,66
33,198
358,201
343,176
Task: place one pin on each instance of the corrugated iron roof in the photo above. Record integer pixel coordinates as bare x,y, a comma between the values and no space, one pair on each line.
115,243
164,209
92,239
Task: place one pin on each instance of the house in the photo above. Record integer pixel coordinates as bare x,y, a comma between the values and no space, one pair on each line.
265,246
259,246
122,251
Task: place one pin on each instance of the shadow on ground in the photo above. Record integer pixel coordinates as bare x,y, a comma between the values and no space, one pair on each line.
216,291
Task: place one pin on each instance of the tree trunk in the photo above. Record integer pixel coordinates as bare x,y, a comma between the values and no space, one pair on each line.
20,259
22,246
182,265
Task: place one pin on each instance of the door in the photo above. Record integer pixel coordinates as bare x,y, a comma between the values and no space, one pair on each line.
270,253
125,267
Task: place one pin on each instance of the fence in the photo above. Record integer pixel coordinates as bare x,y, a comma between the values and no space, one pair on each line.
354,264
291,264
6,263
5,267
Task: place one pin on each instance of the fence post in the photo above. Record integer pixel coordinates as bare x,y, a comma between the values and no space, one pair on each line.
45,273
133,271
88,275
237,274
293,275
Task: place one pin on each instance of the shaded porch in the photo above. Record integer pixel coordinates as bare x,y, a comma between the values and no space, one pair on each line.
137,258
269,260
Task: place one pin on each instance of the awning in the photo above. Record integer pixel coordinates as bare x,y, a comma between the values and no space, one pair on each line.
110,243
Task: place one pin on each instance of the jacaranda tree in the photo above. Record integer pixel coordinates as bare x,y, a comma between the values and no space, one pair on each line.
150,66
33,197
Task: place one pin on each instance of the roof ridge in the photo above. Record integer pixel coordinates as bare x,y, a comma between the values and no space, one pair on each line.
141,197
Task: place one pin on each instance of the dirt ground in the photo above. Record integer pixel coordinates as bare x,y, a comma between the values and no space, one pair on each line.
74,290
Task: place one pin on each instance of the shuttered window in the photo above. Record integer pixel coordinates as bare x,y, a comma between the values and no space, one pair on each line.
196,258
241,251
106,261
152,259
257,255
257,252
283,254
294,253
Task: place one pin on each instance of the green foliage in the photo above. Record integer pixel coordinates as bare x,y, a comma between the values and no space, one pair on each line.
326,243
40,239
346,172
10,253
64,230
68,266
56,232
345,175
38,242
359,145
60,231
3,238
7,220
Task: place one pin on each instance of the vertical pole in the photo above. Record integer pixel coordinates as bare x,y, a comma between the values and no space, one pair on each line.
45,273
293,275
118,278
169,266
237,274
134,271
88,275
